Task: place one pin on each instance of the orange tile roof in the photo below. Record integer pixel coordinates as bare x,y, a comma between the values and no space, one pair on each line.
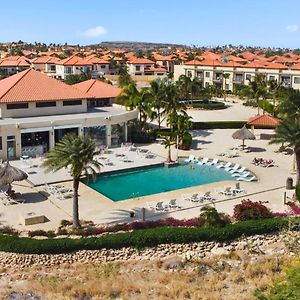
264,120
136,60
45,60
34,86
295,67
98,88
96,60
14,63
73,60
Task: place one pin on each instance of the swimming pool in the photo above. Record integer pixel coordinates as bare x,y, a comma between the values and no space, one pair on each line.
122,185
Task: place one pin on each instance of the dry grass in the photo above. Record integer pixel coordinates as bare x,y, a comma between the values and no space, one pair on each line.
208,279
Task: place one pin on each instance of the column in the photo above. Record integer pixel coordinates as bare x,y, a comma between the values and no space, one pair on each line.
51,139
80,131
126,132
108,135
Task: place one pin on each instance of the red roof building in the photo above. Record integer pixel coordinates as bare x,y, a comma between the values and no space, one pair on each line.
264,120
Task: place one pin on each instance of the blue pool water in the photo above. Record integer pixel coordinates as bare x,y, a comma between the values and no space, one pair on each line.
147,181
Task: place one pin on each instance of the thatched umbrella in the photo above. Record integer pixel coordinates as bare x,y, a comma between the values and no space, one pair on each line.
243,134
9,174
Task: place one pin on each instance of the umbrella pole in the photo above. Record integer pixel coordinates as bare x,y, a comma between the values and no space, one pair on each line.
243,146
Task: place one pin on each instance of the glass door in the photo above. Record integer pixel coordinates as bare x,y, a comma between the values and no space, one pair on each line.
11,147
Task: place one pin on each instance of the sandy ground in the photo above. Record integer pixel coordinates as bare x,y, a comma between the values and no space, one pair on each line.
206,143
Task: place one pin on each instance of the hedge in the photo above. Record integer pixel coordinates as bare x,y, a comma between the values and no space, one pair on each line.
224,125
142,238
213,105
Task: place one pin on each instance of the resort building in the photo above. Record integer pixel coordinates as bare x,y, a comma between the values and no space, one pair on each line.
144,66
13,64
210,72
36,111
72,65
45,64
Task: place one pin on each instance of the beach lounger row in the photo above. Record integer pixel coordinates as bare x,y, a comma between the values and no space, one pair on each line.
163,206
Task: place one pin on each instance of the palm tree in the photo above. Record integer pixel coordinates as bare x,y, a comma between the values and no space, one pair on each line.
132,98
184,86
225,76
258,89
288,132
157,95
76,153
168,141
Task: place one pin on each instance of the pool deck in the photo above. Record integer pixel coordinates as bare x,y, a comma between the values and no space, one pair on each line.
206,143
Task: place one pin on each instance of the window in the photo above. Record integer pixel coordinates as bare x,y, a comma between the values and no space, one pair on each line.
207,74
0,142
103,66
248,76
272,78
45,104
189,74
68,70
297,80
72,102
52,68
137,68
17,106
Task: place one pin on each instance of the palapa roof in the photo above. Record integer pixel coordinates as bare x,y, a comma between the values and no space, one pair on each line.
8,174
243,134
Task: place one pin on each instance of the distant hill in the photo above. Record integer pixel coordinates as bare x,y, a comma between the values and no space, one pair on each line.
135,45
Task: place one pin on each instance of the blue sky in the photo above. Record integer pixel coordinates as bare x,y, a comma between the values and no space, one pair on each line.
191,22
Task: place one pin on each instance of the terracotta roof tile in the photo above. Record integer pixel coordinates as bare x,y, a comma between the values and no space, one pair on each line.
34,86
98,88
264,120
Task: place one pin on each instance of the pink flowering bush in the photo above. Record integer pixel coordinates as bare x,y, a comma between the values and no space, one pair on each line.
251,210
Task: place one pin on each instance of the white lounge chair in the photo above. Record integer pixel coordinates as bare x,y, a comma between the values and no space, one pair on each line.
227,192
190,159
213,162
232,168
173,204
245,174
160,207
223,165
240,171
248,179
207,196
233,154
203,161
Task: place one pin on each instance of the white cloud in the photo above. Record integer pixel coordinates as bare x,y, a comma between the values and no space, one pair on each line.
95,31
292,28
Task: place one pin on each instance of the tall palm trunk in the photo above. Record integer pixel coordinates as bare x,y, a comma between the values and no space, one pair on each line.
76,222
297,155
169,154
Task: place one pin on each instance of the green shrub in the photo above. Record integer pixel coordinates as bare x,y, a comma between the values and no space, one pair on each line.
209,105
212,218
39,232
143,238
251,210
223,125
8,230
186,141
